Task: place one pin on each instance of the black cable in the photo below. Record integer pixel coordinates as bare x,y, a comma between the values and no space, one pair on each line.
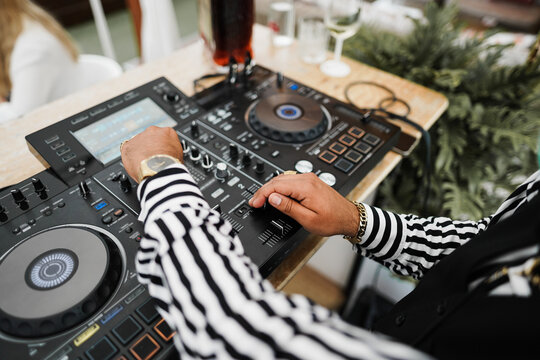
393,101
404,118
372,83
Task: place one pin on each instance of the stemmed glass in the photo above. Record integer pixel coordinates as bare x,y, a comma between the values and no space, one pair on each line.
342,18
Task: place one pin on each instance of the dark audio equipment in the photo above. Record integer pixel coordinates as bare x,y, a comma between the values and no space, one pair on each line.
67,273
69,235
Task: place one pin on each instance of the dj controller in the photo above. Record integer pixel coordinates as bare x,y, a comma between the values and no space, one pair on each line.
70,233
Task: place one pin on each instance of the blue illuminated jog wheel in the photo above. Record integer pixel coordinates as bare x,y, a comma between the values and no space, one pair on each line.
52,269
288,118
289,112
57,279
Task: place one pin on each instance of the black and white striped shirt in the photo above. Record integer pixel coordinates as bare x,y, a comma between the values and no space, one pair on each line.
410,245
211,293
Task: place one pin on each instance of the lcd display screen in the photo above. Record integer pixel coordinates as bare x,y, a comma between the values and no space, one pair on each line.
102,139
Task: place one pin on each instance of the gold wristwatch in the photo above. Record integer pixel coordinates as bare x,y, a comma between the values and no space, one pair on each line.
361,225
154,164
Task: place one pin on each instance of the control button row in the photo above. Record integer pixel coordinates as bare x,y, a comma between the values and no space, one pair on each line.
350,156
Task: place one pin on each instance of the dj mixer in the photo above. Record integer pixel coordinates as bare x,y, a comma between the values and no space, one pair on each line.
70,233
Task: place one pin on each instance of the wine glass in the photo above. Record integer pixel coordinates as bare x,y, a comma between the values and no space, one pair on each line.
342,18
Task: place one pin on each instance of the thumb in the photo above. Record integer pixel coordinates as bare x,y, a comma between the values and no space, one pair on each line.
289,207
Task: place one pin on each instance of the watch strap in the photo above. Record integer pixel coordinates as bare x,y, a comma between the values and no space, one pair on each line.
145,171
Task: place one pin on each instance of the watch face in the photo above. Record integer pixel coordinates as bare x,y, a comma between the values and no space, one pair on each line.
159,163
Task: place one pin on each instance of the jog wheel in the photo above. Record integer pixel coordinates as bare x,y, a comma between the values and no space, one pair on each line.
56,280
288,118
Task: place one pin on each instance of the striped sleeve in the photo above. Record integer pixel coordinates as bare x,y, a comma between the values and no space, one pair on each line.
410,245
211,293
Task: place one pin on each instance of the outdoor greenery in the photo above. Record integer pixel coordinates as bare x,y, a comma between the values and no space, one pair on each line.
486,141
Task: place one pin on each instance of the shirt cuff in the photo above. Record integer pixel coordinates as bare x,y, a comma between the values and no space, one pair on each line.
385,235
172,183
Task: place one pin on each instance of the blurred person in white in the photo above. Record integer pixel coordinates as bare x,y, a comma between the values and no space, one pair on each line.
36,53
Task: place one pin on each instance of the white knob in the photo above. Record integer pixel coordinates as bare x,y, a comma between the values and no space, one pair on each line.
328,178
303,166
221,170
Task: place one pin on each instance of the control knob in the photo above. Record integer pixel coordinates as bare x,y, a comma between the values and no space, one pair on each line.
125,184
39,188
221,171
84,189
328,178
194,129
171,96
279,80
303,166
233,151
207,163
3,216
195,155
246,160
18,197
259,167
185,147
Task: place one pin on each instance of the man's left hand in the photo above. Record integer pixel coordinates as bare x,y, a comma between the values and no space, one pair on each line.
152,141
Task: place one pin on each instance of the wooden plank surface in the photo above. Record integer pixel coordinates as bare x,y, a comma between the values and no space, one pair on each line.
191,62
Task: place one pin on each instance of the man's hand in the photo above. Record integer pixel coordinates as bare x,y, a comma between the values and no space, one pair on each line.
316,206
152,141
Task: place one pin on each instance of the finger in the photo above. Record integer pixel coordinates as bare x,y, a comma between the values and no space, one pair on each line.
287,185
290,207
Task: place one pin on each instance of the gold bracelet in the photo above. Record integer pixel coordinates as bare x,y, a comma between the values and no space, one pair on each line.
361,225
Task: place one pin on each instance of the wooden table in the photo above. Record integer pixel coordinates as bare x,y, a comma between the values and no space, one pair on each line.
16,162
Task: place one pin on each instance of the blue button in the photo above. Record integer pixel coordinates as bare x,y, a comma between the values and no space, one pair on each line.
111,314
100,205
293,87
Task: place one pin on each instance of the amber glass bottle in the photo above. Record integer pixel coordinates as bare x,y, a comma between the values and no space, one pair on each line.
227,26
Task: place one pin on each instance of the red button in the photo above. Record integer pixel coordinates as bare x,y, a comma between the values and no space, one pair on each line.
356,132
163,330
338,148
347,140
145,348
327,157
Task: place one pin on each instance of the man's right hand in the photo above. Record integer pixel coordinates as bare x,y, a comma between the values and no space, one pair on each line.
315,205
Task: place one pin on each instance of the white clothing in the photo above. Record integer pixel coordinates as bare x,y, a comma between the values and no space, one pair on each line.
159,29
39,62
